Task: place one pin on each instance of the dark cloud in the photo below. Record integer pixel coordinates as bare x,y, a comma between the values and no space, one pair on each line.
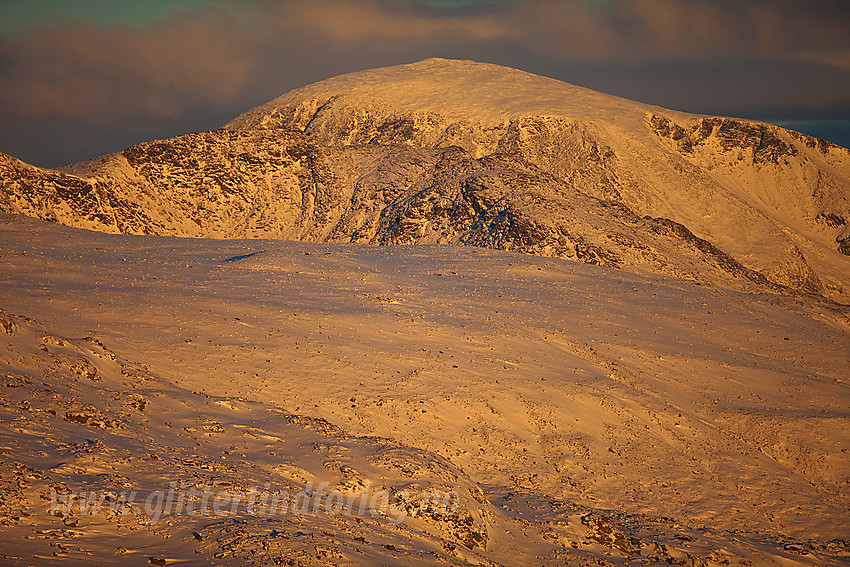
71,90
92,73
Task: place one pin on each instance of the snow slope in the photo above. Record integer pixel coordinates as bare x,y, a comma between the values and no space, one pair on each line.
760,193
582,415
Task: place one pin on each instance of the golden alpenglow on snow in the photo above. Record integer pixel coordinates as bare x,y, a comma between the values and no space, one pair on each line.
440,313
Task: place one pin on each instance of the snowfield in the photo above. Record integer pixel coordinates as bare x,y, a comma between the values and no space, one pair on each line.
494,408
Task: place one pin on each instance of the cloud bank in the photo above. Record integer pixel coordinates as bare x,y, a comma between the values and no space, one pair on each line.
73,89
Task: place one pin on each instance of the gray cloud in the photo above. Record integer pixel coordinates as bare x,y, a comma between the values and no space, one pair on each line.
196,70
94,74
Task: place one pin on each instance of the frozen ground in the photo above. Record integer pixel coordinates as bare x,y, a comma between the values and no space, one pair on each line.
574,414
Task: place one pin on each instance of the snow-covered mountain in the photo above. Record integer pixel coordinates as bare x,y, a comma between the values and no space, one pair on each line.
445,151
276,391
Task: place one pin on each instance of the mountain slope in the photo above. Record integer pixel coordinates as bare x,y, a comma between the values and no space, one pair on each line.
769,197
460,152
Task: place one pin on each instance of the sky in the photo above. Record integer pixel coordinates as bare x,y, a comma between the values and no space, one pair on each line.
81,78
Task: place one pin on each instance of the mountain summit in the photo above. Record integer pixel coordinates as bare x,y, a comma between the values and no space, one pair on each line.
457,91
459,152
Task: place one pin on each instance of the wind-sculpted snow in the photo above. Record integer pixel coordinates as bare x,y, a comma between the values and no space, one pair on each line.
109,448
459,152
244,402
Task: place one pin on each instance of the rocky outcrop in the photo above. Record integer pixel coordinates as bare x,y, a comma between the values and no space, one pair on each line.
761,142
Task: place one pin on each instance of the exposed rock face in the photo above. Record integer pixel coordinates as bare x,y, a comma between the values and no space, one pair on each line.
760,141
460,152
